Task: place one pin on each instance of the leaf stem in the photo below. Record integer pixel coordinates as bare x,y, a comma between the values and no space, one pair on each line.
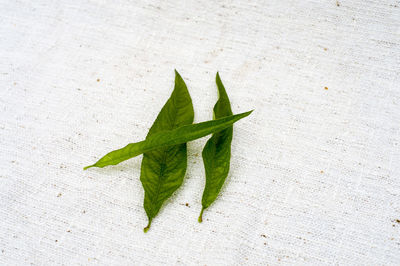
147,227
201,215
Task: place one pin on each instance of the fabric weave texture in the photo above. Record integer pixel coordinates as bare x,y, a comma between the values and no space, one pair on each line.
315,169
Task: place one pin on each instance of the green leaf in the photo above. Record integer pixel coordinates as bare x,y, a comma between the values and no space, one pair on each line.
162,139
217,152
163,170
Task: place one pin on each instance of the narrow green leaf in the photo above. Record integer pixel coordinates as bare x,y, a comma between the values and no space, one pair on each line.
162,139
217,152
163,169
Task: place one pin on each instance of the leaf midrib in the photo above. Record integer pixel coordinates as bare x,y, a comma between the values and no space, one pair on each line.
163,164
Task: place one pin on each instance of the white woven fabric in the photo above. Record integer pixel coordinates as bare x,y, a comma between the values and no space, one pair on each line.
315,171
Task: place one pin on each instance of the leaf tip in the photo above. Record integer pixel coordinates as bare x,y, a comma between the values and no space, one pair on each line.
87,167
178,78
243,115
249,112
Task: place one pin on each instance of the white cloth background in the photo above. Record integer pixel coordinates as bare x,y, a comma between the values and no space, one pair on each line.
315,173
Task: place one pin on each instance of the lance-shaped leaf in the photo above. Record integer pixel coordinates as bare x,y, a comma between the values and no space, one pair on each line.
217,152
163,170
162,139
